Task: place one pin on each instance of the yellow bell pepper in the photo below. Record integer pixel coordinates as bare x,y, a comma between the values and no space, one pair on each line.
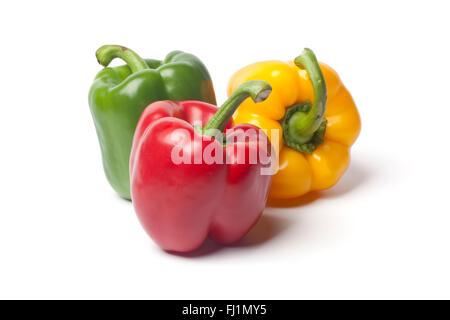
314,135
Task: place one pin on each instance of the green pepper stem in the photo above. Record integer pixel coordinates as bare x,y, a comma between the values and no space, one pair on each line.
258,90
305,119
107,53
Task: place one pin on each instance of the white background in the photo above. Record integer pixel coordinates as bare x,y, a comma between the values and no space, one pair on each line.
382,232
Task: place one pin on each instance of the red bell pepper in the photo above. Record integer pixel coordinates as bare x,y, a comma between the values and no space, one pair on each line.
180,203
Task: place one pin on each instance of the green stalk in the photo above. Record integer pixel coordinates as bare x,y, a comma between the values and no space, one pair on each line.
258,90
107,53
303,124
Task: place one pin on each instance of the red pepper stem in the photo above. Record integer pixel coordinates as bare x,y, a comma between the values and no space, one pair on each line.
258,90
107,53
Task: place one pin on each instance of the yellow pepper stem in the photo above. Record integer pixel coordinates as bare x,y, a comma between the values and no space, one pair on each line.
303,124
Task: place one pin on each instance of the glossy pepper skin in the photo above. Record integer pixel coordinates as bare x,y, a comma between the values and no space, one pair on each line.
300,108
119,95
179,204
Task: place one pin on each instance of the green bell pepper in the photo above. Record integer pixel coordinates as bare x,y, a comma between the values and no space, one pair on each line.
119,95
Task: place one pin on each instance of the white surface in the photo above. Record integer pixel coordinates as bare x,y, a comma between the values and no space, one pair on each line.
382,232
